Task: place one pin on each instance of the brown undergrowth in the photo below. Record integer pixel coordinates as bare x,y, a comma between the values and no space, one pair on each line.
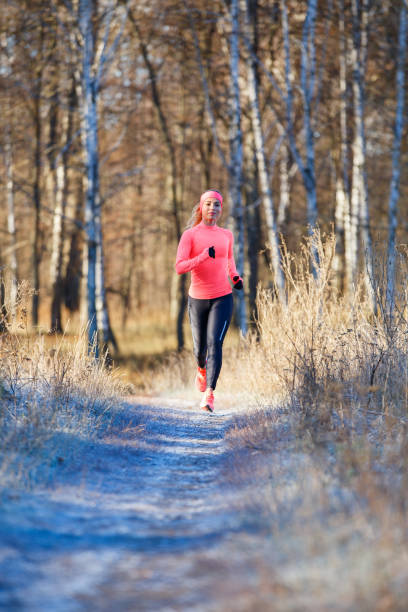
330,381
51,394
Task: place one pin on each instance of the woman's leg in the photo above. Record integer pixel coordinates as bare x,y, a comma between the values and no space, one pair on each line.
198,314
219,319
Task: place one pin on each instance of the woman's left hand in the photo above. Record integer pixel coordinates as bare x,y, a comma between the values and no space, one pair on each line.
238,284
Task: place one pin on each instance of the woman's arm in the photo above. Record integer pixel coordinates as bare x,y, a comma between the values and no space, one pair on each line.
232,270
183,262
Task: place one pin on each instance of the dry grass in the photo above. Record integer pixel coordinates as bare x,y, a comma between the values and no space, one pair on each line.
330,381
321,350
51,390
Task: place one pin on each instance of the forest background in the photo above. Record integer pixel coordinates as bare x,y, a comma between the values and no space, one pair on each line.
116,115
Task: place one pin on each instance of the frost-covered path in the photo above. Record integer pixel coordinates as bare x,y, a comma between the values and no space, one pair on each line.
147,517
170,508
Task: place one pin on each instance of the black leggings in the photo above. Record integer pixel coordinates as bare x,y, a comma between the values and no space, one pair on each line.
209,320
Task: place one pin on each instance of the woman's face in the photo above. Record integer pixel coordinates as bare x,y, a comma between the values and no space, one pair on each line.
211,211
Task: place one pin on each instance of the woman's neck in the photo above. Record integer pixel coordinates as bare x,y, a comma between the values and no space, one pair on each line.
209,223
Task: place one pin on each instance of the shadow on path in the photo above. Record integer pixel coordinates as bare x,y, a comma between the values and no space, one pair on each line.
152,491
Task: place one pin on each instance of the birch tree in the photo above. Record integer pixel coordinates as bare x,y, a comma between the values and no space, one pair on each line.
7,57
60,172
264,178
236,158
11,221
3,307
94,58
37,161
359,191
284,185
307,87
396,158
61,110
345,223
90,132
252,219
72,276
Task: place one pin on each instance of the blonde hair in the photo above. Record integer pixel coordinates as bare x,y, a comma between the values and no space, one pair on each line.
196,214
196,217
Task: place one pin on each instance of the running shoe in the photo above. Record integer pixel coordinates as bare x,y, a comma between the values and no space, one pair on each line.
201,380
207,403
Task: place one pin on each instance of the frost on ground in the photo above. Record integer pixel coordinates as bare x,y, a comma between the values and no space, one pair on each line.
170,508
140,504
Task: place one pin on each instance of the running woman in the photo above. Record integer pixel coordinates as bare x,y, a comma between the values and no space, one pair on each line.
206,250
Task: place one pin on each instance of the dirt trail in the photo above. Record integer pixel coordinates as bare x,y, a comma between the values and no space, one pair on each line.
151,520
171,508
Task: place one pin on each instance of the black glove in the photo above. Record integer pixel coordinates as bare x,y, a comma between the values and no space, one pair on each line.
238,284
211,252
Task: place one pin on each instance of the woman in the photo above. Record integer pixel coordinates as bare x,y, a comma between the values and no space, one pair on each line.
207,251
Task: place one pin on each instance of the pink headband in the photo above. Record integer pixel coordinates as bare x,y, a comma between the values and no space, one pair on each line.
210,194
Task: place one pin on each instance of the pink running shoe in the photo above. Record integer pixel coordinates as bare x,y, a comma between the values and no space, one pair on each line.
201,379
207,403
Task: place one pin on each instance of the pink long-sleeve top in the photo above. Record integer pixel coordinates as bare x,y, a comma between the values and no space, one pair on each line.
209,277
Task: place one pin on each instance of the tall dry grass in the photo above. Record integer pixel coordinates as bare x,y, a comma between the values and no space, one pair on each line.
53,394
322,345
335,366
329,378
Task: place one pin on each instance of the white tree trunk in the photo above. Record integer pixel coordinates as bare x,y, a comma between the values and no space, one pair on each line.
284,188
83,304
90,127
59,169
264,179
355,208
58,227
57,222
343,183
105,333
93,62
359,193
9,166
252,220
236,160
339,225
11,224
308,70
396,158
